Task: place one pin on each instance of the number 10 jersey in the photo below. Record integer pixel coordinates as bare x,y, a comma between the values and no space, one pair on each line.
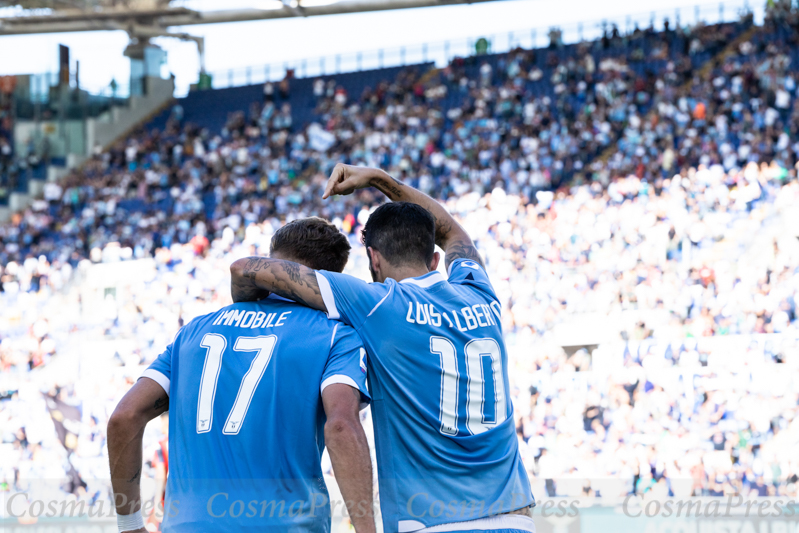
445,438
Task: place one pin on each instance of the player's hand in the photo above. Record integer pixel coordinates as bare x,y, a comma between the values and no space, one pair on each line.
346,179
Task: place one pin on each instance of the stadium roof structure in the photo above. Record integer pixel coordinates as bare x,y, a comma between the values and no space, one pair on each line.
155,16
145,19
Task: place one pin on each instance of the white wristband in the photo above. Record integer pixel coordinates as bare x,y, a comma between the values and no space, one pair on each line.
130,522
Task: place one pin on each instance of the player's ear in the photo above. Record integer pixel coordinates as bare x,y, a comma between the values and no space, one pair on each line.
374,258
434,263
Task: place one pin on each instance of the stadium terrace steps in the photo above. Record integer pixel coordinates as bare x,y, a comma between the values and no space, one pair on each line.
729,50
163,110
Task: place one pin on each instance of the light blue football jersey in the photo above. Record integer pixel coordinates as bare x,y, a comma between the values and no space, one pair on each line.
246,421
438,374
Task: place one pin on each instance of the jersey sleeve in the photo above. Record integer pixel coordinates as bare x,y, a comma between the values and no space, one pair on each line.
467,272
350,299
347,362
160,370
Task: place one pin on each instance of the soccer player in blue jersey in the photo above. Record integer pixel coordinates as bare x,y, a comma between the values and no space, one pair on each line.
255,391
447,453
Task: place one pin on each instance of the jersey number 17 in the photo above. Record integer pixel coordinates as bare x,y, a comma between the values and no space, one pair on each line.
215,345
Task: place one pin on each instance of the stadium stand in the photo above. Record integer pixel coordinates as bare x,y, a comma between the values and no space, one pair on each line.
613,188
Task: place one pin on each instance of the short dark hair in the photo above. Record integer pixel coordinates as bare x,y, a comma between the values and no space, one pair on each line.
402,232
313,242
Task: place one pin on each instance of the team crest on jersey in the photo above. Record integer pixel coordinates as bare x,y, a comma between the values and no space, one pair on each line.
363,360
470,264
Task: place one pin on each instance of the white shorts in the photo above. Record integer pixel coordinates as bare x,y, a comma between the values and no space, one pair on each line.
513,522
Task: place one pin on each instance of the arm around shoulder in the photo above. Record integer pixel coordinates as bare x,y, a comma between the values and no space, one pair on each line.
253,275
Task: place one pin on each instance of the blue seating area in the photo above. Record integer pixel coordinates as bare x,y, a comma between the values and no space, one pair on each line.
643,54
583,106
17,179
210,109
758,68
302,98
632,199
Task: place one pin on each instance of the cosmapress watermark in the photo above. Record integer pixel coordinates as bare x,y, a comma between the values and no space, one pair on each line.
27,511
221,505
19,505
422,506
730,506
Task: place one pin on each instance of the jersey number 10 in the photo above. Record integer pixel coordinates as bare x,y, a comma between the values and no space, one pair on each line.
485,390
215,345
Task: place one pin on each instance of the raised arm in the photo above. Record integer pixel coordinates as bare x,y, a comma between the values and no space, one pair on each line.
450,235
251,276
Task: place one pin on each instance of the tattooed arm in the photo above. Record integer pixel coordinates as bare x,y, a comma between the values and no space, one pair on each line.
284,278
243,291
143,402
450,235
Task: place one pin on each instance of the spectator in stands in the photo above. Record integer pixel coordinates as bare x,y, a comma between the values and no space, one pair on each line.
654,203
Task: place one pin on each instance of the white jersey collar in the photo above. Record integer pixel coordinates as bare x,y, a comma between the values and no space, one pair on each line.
428,280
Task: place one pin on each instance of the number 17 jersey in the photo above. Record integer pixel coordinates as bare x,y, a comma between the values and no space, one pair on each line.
246,420
444,431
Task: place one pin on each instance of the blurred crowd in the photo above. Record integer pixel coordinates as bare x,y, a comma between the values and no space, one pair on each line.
741,109
6,128
633,198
